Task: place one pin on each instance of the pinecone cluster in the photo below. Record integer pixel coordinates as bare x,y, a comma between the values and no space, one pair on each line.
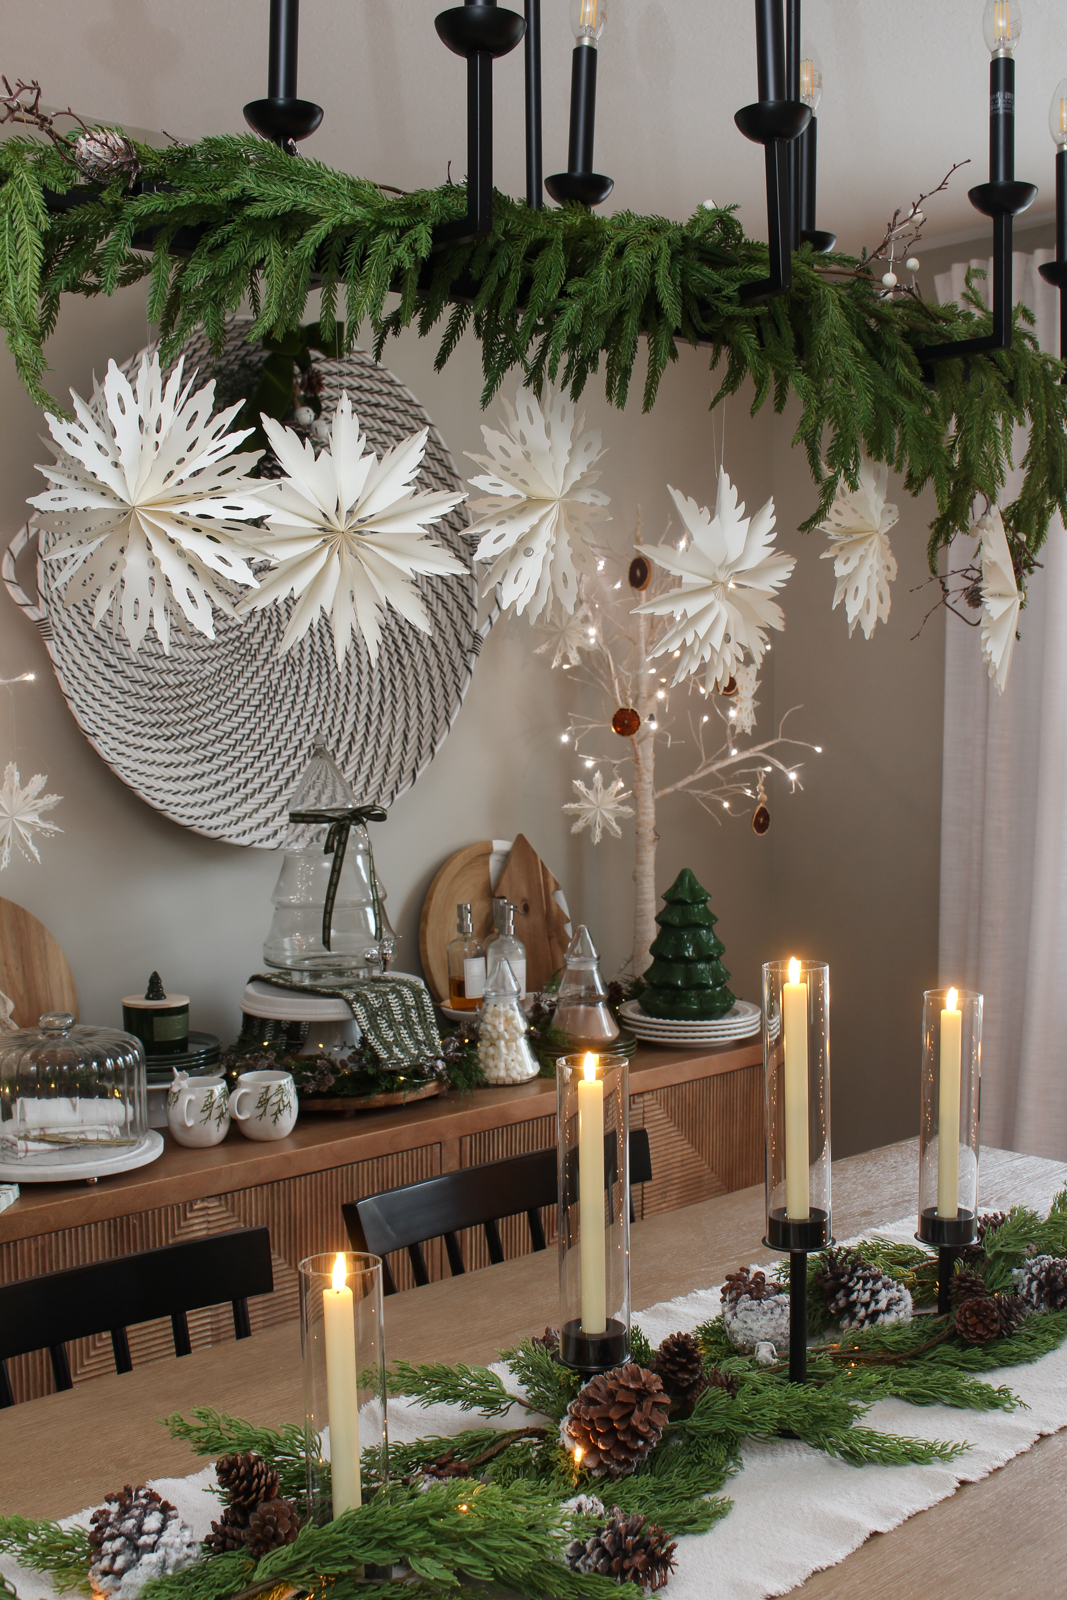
629,1549
859,1295
256,1518
679,1366
134,1536
753,1284
616,1420
983,1317
1043,1284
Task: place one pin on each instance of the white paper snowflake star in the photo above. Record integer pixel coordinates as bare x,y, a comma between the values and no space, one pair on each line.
145,510
598,808
745,702
1001,597
20,814
347,534
536,521
729,573
568,634
858,523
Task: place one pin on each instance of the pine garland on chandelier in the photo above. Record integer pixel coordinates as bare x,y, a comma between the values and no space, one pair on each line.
551,292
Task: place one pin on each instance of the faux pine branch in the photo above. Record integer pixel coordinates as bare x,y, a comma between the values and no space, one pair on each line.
557,293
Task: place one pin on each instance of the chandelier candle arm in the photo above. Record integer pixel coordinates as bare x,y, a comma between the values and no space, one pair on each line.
792,92
774,121
480,30
281,117
1055,272
580,183
534,159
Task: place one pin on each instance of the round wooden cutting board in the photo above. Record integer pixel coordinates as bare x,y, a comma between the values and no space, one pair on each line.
34,973
464,877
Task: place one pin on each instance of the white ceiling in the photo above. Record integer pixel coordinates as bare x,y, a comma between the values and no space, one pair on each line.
905,93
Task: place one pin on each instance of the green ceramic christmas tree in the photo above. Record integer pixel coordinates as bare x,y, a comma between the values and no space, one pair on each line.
686,981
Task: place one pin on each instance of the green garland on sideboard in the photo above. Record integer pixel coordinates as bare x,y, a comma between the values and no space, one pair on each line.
550,293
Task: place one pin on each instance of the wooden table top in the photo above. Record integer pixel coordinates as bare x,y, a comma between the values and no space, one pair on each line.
319,1142
997,1539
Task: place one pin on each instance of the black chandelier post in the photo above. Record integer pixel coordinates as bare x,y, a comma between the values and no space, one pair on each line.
1002,199
534,164
281,117
1055,272
481,31
580,182
774,121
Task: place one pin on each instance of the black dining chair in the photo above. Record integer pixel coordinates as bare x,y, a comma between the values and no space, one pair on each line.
110,1296
478,1197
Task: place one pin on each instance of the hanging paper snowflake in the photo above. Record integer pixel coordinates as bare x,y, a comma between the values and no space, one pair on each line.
569,633
146,514
346,533
598,808
20,814
745,702
536,522
1001,597
729,573
858,524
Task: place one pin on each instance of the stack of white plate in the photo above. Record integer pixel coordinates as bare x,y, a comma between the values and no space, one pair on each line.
741,1022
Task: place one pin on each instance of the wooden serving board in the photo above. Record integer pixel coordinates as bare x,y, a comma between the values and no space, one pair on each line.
338,1105
34,973
539,922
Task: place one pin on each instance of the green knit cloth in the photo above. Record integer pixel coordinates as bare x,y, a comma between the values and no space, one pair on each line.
395,1016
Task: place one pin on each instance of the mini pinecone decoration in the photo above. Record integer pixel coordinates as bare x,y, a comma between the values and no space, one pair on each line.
859,1295
718,1379
102,154
628,1549
256,1518
985,1317
966,1285
988,1222
548,1342
135,1536
755,1285
1042,1283
616,1420
680,1368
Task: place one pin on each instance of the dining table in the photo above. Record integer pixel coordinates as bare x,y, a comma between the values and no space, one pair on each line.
994,1539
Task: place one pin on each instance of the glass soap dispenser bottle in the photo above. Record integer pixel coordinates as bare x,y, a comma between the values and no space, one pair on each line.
582,1009
466,964
505,947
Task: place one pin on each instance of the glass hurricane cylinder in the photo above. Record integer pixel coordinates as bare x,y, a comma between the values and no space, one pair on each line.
796,1075
948,1134
342,1339
593,1132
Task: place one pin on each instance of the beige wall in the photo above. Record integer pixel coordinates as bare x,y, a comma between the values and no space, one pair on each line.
849,870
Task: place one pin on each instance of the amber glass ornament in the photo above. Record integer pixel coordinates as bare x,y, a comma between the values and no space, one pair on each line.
640,573
625,722
729,689
761,819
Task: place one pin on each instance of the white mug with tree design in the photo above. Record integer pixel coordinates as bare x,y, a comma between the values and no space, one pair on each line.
264,1104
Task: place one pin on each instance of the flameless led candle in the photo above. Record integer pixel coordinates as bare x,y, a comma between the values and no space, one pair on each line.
795,1039
342,1391
948,1115
591,1197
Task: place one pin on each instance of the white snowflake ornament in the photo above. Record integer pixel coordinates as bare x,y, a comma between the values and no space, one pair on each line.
598,808
745,702
858,524
568,634
149,502
346,533
1001,597
20,814
536,521
729,573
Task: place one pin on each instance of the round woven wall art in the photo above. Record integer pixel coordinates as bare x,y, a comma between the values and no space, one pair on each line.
216,734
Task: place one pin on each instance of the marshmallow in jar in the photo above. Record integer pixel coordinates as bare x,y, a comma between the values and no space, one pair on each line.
504,1052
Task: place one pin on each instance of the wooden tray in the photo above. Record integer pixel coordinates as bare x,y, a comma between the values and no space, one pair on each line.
337,1105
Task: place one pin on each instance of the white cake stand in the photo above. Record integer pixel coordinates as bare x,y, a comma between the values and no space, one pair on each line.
86,1165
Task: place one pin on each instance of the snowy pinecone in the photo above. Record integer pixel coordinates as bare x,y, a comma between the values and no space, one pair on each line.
628,1549
1042,1283
102,154
859,1295
135,1536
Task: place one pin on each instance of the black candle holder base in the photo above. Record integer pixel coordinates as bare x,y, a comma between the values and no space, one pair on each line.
588,188
767,120
480,30
956,1232
787,1233
594,1352
1004,198
1054,272
822,243
280,118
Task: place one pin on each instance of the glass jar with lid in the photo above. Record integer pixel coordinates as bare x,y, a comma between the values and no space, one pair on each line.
504,1051
65,1087
582,1009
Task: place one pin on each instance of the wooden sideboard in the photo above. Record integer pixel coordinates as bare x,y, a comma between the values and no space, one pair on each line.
703,1112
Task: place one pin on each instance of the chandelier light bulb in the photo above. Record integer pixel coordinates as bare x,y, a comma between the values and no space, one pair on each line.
1002,24
587,19
810,78
1057,115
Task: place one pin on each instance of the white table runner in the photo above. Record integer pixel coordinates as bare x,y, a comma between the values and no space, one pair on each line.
795,1509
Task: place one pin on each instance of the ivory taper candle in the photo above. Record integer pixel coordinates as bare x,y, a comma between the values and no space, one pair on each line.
948,1112
342,1390
591,1197
795,1045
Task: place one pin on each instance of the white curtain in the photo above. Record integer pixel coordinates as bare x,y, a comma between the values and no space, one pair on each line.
1004,823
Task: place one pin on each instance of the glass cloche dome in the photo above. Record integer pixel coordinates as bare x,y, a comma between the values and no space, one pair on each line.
65,1087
